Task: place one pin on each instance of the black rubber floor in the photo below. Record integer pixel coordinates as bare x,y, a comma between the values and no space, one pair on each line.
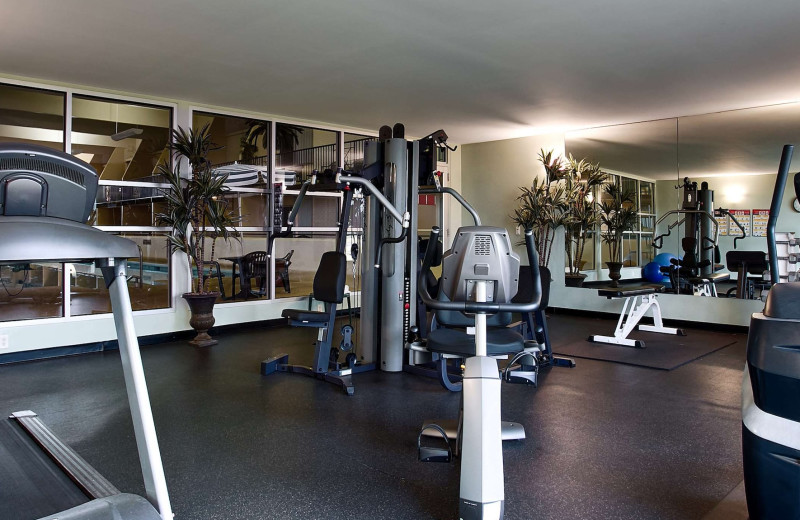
662,351
604,440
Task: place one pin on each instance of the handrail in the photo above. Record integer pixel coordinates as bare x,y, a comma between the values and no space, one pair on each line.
456,195
738,224
775,209
685,211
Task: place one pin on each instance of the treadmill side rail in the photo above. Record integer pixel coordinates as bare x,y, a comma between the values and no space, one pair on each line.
88,479
114,507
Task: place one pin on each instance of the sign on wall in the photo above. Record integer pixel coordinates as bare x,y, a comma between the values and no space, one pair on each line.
722,222
744,218
760,219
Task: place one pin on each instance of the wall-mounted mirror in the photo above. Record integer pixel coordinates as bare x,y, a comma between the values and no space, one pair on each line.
636,156
736,153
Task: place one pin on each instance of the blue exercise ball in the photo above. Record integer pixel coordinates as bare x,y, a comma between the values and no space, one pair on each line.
652,273
663,258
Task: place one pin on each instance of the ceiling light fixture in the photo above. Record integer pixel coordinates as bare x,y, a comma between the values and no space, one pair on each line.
130,132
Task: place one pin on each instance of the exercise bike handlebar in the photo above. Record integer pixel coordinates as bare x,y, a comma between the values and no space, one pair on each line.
484,307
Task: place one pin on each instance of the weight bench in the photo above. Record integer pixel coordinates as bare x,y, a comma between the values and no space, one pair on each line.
706,285
638,300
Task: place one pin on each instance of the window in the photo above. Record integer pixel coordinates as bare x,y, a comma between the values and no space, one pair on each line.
125,142
354,151
242,151
304,149
636,244
29,115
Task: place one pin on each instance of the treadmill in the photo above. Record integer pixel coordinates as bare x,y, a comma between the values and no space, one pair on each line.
46,198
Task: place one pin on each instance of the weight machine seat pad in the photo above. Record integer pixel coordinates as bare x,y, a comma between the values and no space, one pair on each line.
308,316
124,505
632,290
756,261
501,341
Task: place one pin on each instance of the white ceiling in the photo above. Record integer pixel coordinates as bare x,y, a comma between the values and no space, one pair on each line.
480,70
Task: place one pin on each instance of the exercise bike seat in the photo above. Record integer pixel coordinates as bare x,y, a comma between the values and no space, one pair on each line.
304,316
499,342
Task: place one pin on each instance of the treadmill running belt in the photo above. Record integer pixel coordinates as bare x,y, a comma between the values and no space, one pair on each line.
31,484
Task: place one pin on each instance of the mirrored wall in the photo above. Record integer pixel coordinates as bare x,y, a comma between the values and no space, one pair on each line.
733,154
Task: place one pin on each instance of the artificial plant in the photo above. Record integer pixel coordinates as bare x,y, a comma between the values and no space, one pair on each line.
196,208
618,214
581,180
543,207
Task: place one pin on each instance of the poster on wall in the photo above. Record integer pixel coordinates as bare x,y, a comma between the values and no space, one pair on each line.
722,222
760,219
744,218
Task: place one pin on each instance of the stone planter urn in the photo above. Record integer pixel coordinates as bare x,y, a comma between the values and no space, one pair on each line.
202,319
614,272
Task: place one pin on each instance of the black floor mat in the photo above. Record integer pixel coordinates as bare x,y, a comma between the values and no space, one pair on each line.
662,351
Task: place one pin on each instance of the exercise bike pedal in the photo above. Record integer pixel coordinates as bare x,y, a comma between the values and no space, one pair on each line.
434,453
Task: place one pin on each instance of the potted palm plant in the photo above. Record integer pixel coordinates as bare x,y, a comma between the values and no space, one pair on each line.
618,214
196,210
543,207
582,217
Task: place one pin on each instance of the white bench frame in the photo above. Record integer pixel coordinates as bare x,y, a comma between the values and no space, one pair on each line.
633,310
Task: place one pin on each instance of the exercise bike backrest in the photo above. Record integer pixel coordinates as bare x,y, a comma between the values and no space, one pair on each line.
481,253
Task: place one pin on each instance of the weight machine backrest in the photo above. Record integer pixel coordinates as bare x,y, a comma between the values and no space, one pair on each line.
330,277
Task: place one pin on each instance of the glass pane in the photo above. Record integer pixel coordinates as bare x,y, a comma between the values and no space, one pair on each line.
128,205
303,149
241,140
148,280
587,259
30,115
306,252
354,151
630,250
646,197
29,291
123,141
233,261
648,251
314,211
647,222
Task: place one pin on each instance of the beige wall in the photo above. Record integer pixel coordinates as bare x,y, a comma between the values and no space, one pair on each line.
492,172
